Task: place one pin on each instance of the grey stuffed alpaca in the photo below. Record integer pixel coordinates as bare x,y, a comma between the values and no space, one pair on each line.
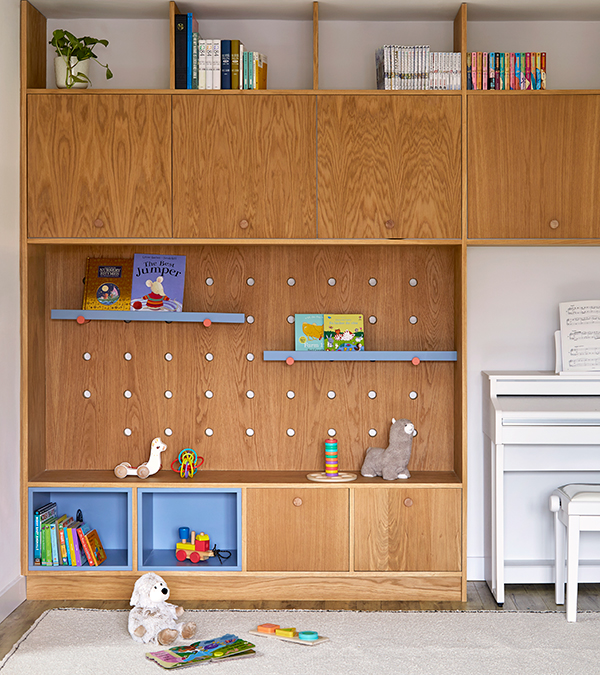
391,462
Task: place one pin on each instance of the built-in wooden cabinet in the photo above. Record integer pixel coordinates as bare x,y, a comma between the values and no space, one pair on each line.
407,529
99,166
244,167
533,166
267,194
389,167
297,529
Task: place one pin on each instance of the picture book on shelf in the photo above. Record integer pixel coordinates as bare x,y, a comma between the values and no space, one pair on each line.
308,330
39,516
108,284
158,282
96,549
344,332
227,646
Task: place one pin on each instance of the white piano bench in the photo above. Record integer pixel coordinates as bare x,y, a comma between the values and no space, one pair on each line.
577,507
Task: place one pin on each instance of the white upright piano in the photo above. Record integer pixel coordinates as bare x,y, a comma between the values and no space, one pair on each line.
535,422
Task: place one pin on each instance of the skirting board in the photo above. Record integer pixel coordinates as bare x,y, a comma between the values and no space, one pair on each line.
12,596
407,586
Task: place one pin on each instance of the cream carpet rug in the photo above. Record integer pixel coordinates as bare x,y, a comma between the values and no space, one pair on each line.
96,642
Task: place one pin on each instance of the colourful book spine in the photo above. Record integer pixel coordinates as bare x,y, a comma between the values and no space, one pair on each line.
517,70
54,544
479,73
492,75
81,532
502,67
511,76
538,70
235,64
71,541
523,66
474,68
64,560
527,70
225,64
543,70
47,559
497,78
39,516
469,76
484,71
506,70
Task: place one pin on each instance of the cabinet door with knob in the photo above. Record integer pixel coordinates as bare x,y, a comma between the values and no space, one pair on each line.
407,530
304,529
244,166
99,165
389,166
533,166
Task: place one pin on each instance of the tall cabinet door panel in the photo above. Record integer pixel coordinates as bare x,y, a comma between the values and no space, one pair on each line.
389,166
244,166
407,530
99,165
305,529
533,166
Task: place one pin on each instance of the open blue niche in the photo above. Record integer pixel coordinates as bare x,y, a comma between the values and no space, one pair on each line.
107,510
214,511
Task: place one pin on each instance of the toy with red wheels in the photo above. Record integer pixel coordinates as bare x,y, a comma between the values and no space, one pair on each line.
193,548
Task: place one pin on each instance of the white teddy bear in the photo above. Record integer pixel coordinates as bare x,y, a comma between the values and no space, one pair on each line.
153,619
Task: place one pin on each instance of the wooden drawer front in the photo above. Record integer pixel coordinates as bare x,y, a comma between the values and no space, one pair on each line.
407,530
99,166
389,167
533,166
244,167
297,529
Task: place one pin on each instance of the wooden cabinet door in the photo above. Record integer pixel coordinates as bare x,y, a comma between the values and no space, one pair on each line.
99,165
244,166
304,529
407,530
533,166
389,166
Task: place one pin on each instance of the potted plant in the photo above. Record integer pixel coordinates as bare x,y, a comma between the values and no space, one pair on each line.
71,65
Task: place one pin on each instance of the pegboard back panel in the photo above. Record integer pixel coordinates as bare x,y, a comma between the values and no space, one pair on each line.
111,387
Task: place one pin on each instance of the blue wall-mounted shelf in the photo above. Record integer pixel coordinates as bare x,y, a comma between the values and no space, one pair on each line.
359,356
181,317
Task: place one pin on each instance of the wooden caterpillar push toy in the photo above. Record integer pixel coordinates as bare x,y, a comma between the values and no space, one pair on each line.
194,548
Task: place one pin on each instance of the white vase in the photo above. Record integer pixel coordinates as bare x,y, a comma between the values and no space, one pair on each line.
60,72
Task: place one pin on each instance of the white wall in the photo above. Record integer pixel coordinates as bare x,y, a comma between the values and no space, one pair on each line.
12,585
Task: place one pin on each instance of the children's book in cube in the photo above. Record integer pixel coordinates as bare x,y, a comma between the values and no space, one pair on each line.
344,332
158,282
309,332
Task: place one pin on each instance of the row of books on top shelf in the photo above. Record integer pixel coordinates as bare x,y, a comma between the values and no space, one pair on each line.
214,63
417,68
145,282
329,332
64,540
506,70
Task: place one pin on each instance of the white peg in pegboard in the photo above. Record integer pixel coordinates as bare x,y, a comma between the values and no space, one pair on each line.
209,357
87,394
249,394
291,394
87,356
413,282
127,431
249,432
168,394
127,393
127,356
168,356
168,432
372,394
209,432
250,356
208,393
372,281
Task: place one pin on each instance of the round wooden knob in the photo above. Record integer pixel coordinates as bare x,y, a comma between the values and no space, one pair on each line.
408,502
554,224
297,501
98,223
389,224
244,224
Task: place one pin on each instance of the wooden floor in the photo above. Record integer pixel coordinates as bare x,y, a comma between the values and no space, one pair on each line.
520,598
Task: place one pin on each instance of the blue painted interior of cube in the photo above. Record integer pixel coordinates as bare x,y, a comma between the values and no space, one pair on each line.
216,512
106,510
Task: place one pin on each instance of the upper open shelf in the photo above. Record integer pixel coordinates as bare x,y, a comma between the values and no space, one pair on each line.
84,315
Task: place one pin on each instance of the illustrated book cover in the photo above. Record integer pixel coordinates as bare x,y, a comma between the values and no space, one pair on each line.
308,330
158,282
227,646
40,515
108,284
344,332
96,549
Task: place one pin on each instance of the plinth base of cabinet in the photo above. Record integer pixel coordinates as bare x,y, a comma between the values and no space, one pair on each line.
249,587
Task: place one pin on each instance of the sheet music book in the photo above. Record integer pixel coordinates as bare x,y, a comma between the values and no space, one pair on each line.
580,336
